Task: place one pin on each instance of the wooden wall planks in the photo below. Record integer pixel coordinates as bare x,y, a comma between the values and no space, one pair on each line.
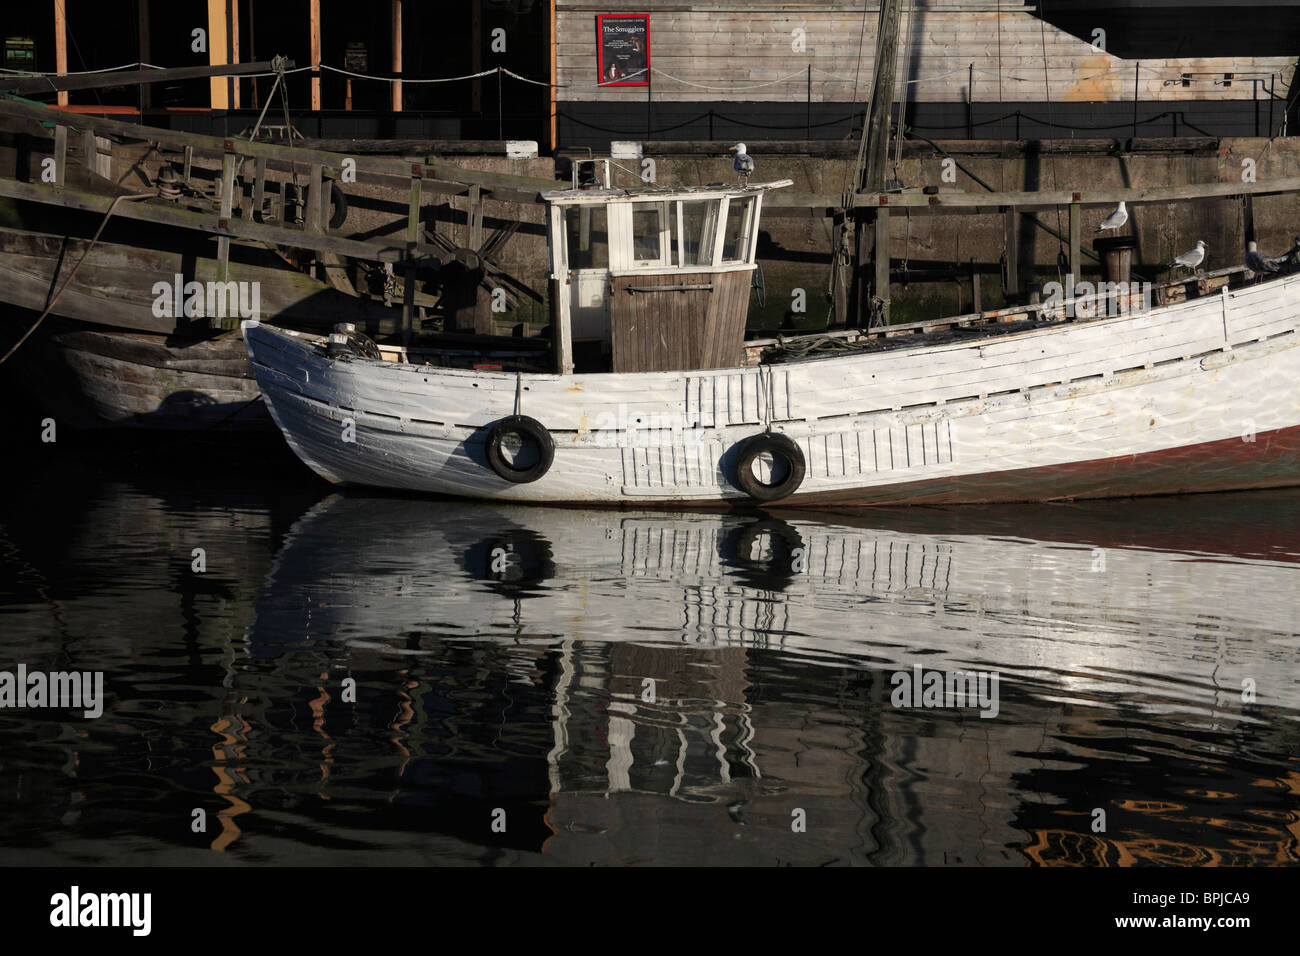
676,328
725,50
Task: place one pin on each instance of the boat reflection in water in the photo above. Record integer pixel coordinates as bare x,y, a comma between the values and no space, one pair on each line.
657,687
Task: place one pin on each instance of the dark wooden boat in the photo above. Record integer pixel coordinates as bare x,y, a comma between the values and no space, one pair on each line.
138,251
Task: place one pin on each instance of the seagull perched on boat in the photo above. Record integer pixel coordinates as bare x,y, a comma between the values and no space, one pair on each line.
743,163
1263,265
1291,261
1115,220
1191,259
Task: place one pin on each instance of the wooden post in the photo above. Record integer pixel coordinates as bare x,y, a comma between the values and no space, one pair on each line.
314,40
1011,239
552,98
1075,260
839,288
412,237
882,262
977,305
228,162
89,149
475,218
259,187
61,49
397,55
313,223
219,86
882,98
232,7
60,155
864,251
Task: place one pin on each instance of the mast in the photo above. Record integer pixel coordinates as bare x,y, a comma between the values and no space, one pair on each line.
875,309
869,175
876,132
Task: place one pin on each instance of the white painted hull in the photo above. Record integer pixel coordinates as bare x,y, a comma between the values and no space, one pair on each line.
1202,395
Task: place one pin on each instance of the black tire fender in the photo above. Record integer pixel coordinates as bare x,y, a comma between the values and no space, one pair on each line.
527,429
779,447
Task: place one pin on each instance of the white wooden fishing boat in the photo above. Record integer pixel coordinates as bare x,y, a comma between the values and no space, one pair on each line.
654,397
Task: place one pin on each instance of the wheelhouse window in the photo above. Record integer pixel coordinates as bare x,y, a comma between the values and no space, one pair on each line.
697,231
736,234
586,231
651,234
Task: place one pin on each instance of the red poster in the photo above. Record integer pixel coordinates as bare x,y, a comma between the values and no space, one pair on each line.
623,49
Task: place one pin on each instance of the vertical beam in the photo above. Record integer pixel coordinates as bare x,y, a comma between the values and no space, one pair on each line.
142,46
218,41
89,149
552,96
1075,261
1011,241
313,27
259,187
228,163
61,48
882,98
252,55
397,55
839,290
233,7
864,250
412,237
475,218
313,223
60,154
246,189
882,262
560,293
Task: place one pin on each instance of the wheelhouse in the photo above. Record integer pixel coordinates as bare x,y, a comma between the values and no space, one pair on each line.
652,279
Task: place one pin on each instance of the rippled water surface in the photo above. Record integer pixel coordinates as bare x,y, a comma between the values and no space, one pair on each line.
365,679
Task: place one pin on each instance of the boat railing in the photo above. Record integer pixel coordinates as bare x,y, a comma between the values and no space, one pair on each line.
1102,304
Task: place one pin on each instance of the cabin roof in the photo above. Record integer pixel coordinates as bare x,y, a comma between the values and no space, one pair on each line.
710,191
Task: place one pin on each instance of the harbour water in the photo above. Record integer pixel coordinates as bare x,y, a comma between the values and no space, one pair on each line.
293,675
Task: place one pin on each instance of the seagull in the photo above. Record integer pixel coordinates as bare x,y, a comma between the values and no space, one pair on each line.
1115,220
1191,259
1291,261
742,164
1262,265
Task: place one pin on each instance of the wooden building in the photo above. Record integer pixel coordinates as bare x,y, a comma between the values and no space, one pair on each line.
717,69
414,70
968,69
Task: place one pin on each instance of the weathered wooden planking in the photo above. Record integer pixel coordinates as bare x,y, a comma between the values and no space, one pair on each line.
135,382
1015,58
115,284
678,321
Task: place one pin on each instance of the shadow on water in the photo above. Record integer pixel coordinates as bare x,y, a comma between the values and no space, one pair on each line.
376,679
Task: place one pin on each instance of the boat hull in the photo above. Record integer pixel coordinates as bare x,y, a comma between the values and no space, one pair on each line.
1198,396
93,379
